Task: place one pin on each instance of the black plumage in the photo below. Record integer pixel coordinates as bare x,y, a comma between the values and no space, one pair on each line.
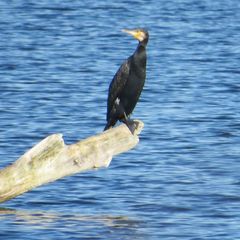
128,82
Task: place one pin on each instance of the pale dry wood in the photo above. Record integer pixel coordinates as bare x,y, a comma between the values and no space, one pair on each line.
51,159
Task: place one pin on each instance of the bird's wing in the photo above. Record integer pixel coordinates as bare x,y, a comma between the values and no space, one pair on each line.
117,84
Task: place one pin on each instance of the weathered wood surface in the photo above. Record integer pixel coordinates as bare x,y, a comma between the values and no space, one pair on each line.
51,159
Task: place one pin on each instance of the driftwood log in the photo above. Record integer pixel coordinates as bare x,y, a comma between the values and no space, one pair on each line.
51,159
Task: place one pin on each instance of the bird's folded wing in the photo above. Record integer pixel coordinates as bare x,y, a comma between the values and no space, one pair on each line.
117,84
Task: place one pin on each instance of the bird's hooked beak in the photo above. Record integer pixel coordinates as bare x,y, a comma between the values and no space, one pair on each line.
139,35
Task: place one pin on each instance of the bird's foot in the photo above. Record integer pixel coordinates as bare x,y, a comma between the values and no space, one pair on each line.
132,125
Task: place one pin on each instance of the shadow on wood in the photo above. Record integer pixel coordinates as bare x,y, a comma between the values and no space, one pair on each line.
51,159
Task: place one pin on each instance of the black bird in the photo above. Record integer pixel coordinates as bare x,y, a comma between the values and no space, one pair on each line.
127,84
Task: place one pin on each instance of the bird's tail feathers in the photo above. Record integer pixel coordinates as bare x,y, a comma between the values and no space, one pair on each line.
110,124
107,127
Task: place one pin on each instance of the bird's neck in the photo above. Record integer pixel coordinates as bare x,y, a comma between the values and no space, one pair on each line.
140,55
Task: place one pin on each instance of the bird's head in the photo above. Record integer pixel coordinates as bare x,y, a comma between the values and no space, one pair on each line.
140,34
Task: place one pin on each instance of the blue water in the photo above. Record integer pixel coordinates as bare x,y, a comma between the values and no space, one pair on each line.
182,181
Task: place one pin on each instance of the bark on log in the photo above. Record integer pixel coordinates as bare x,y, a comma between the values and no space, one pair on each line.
51,159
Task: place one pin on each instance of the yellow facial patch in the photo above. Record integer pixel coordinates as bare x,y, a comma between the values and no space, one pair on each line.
139,35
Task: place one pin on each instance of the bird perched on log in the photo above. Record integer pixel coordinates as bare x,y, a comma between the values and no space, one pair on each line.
127,84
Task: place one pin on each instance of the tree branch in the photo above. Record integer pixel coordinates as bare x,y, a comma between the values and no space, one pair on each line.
51,159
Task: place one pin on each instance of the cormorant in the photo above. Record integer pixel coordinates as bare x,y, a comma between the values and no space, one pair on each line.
127,84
